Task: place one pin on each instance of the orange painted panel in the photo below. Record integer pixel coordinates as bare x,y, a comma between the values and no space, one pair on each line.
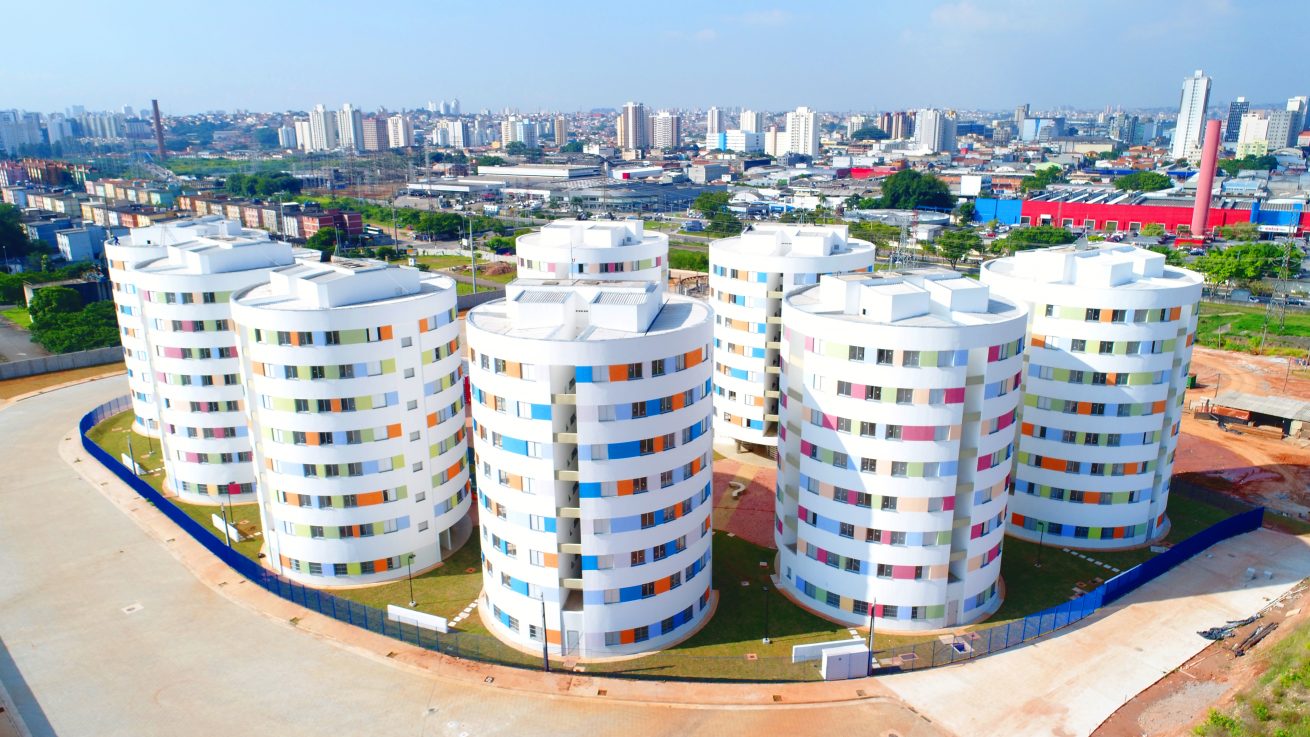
661,586
336,405
369,498
625,487
384,332
432,420
627,637
380,564
618,372
552,637
454,469
550,559
1092,497
1017,519
1157,407
693,358
393,431
1027,428
1039,341
679,401
1175,313
1084,408
1053,464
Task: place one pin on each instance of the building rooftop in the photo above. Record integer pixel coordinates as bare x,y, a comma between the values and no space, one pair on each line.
919,298
586,310
1117,266
308,285
786,239
1284,407
572,233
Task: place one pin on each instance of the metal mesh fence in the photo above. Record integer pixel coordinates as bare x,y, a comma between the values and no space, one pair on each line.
474,646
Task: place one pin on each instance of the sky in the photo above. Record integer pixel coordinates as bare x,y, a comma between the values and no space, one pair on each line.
573,55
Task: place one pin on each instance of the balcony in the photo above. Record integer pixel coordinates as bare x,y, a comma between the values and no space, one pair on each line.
570,512
571,548
566,475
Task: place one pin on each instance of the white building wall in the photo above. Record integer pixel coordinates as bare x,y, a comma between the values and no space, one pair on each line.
192,355
605,250
895,454
362,455
749,275
602,515
1110,335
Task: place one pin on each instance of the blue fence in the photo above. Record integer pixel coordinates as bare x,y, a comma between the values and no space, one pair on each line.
480,647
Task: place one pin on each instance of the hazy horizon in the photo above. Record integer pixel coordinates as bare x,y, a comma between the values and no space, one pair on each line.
966,54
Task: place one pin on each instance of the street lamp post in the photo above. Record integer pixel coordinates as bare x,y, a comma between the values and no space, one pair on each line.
872,605
1041,540
473,255
409,565
766,615
545,641
227,539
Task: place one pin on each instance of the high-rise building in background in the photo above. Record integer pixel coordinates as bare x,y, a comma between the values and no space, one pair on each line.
375,133
286,137
752,121
355,394
350,128
400,131
748,276
1191,117
898,126
591,406
1123,128
1285,124
633,127
457,133
714,122
604,250
934,130
560,130
192,352
1110,340
1253,134
304,135
322,129
803,132
901,392
666,130
1236,109
854,123
1020,114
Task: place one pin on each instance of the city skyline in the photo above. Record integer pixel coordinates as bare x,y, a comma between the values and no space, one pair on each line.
928,47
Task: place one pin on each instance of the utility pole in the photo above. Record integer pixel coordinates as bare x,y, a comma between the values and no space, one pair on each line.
872,605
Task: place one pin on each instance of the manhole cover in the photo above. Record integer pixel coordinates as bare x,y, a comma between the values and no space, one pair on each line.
132,608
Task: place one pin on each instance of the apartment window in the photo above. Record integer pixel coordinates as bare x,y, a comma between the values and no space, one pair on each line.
657,368
843,424
904,396
856,353
1107,346
846,529
1098,378
873,393
317,372
899,468
898,538
638,409
869,465
910,359
844,388
406,342
1098,408
884,357
634,371
1093,314
893,432
1077,345
1118,315
666,479
1050,310
868,429
888,504
647,520
884,571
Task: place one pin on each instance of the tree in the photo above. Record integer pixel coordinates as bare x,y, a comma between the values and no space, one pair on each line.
1042,178
516,148
954,245
48,303
1249,163
13,239
323,240
880,234
572,147
965,212
1023,239
1172,256
266,137
909,189
689,260
1240,232
93,326
1152,230
869,133
1144,181
490,161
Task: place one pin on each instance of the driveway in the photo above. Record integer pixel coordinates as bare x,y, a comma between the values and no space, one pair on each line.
16,344
103,631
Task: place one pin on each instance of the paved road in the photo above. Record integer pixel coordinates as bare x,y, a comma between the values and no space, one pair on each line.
104,632
16,344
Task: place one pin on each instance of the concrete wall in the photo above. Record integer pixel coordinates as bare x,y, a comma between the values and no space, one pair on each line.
62,362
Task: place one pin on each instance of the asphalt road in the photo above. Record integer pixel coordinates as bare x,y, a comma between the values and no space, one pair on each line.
16,344
103,632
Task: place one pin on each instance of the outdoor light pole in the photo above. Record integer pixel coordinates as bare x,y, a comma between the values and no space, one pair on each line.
766,615
131,456
409,565
872,605
545,641
223,505
1041,539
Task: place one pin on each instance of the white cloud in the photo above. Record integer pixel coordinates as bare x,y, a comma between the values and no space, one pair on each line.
770,17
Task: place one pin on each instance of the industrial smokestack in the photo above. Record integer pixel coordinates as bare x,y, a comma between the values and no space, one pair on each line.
159,129
1205,179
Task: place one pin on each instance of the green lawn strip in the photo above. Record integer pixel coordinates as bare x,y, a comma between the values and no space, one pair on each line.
18,316
1245,323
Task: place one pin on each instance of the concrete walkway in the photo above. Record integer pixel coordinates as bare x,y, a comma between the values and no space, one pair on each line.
113,623
1068,684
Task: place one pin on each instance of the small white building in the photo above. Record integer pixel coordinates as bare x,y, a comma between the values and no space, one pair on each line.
592,413
900,398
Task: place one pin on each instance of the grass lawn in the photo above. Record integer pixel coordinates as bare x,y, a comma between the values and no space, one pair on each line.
1031,589
18,316
1246,323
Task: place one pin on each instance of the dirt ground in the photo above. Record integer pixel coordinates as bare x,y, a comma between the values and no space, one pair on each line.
1180,700
1275,473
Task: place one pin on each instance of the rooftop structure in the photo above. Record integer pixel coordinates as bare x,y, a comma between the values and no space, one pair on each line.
605,250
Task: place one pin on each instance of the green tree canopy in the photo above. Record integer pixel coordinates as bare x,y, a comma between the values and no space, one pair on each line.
48,303
1258,163
1144,181
909,189
1240,232
1041,179
262,185
572,147
323,240
1038,236
1172,256
954,245
490,161
965,211
869,133
1248,262
1152,229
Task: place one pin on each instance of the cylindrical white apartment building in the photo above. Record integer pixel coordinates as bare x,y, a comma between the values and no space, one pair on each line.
192,349
355,391
749,274
602,250
1110,335
593,450
899,396
123,256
